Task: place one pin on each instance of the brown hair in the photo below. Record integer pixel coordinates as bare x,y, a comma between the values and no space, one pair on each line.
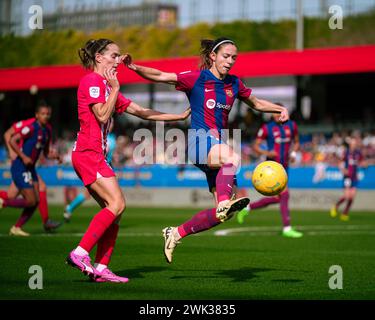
91,48
208,46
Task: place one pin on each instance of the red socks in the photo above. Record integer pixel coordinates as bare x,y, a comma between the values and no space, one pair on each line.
43,206
264,202
25,216
347,207
224,181
284,208
98,226
106,244
203,220
15,203
342,199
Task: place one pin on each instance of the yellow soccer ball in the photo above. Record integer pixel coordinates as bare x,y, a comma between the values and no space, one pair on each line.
269,178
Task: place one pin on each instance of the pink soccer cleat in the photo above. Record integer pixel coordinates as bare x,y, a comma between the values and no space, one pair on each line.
108,276
83,263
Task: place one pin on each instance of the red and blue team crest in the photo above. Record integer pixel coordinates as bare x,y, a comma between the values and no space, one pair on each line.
229,92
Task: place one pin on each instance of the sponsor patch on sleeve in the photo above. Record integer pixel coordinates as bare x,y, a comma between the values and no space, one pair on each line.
25,130
94,92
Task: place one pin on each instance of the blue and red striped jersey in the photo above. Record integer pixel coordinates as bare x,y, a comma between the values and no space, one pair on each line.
34,137
351,161
279,137
211,99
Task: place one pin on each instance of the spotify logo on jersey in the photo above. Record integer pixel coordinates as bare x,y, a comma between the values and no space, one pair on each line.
211,103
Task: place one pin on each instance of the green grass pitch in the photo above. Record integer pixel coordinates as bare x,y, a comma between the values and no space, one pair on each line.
232,261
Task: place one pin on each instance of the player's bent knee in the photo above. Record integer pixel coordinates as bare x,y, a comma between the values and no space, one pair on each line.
234,159
32,203
118,207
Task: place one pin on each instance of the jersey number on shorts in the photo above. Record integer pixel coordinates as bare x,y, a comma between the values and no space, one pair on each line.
27,177
347,182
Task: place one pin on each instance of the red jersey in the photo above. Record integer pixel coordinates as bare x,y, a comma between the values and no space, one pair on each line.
92,135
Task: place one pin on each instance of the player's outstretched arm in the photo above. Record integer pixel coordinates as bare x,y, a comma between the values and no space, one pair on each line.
149,114
149,73
267,106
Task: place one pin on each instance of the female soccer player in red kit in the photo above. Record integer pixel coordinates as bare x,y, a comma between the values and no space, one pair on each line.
98,98
211,92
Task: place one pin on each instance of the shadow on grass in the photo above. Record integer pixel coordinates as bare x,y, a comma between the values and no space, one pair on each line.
239,275
139,273
288,280
235,275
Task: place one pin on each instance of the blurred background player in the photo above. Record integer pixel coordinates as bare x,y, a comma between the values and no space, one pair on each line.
26,140
13,192
349,167
85,195
282,143
99,98
211,92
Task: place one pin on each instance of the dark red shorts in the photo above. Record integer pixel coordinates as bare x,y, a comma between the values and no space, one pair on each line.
90,166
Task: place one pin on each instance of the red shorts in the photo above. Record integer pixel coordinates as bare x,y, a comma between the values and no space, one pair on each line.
91,165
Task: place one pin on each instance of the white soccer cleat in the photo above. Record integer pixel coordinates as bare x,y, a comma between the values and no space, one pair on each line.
170,243
67,216
16,231
225,210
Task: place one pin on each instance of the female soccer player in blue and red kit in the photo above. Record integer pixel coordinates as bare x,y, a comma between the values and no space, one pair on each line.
98,98
282,143
13,191
211,92
29,139
349,167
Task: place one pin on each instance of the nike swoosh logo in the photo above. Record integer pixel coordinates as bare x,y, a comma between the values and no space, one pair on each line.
168,243
208,90
87,267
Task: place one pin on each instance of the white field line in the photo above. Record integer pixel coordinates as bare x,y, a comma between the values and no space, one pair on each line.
313,230
309,230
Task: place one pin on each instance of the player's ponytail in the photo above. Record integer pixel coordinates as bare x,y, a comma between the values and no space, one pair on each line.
208,46
91,48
